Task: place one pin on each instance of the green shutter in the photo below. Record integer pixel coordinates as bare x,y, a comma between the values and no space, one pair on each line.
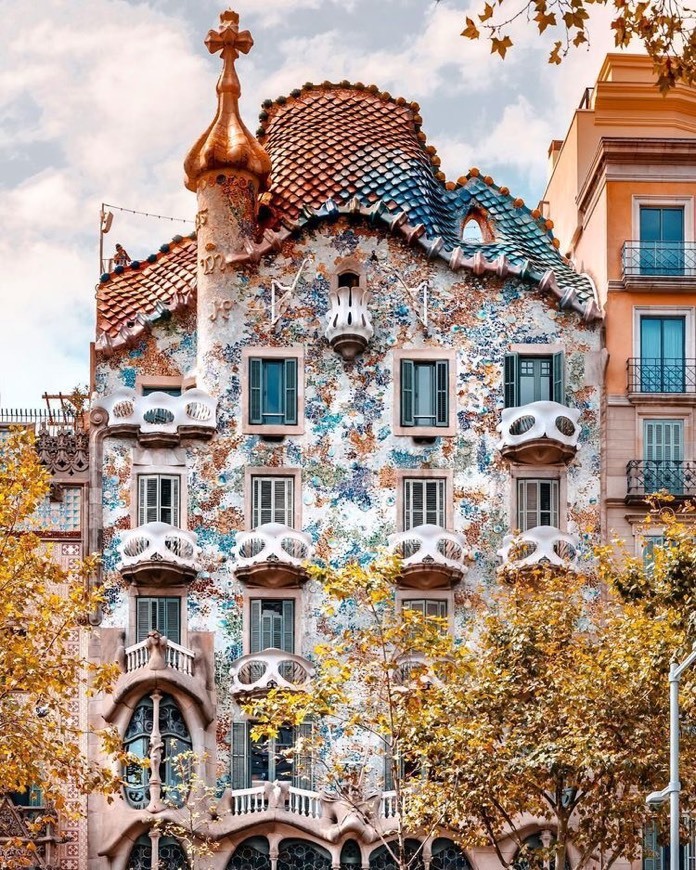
170,624
407,375
442,393
255,626
388,767
240,755
290,392
288,626
143,618
511,380
559,378
148,499
303,763
255,409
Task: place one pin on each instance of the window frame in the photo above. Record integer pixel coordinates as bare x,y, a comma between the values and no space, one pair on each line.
527,472
151,383
511,373
240,762
250,472
685,311
444,595
166,598
180,592
403,474
425,355
277,595
663,201
142,513
522,479
295,352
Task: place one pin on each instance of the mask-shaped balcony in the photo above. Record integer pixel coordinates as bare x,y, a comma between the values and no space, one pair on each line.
159,419
540,433
348,324
272,555
433,558
158,554
539,547
272,668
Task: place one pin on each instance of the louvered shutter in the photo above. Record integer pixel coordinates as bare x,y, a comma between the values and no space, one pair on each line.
413,504
407,377
282,501
303,762
288,626
442,392
434,502
255,407
144,618
240,755
652,853
417,604
559,378
255,625
290,392
148,499
169,500
511,373
435,607
169,618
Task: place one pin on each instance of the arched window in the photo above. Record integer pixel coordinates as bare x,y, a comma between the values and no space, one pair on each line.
471,231
382,858
251,854
176,742
448,856
301,855
533,855
476,227
171,855
348,279
351,857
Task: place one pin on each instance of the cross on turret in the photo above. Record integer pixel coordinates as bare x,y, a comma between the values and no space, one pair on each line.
228,36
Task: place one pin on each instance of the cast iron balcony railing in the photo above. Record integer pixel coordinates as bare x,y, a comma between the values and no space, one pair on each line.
665,375
648,476
659,259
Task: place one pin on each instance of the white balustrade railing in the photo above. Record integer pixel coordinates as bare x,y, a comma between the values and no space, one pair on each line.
430,543
273,542
175,656
160,412
539,420
137,656
158,542
249,800
388,808
302,802
542,544
179,658
270,669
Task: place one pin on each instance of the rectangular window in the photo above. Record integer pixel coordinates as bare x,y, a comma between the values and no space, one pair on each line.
273,500
424,393
424,502
158,499
661,240
158,614
427,606
273,391
272,624
663,446
531,378
168,391
651,542
255,762
662,354
537,503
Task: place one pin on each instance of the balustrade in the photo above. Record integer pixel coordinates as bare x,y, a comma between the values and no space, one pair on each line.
270,669
157,651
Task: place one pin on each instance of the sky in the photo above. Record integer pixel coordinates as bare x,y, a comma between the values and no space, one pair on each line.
100,101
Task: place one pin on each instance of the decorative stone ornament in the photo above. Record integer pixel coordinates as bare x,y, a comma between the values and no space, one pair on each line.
348,324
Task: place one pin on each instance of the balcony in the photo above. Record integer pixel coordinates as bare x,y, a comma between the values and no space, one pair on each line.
270,669
157,652
272,555
541,433
158,554
661,376
539,547
412,668
158,419
647,476
433,558
664,261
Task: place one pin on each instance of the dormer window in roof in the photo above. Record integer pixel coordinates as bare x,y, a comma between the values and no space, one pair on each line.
348,323
477,228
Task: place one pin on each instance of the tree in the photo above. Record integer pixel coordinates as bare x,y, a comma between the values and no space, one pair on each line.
41,671
664,27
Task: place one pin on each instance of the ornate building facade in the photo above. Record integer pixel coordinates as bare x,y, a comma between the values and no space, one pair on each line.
348,348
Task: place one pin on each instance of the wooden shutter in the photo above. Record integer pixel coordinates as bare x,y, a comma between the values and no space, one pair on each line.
559,378
283,501
273,501
434,502
406,398
144,617
427,606
388,768
511,377
303,763
255,625
255,407
288,626
148,499
240,755
663,440
413,503
169,499
290,392
169,618
442,393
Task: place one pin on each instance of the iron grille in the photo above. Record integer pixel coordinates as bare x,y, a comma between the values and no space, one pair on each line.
656,375
659,259
646,476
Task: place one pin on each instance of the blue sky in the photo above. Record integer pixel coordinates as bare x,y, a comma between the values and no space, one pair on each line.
101,99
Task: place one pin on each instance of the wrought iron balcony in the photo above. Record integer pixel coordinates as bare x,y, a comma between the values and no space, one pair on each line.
272,555
648,476
433,558
539,433
542,545
157,652
647,260
159,419
159,554
646,375
270,669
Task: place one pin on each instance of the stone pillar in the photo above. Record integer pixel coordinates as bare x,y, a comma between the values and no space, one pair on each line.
156,749
154,839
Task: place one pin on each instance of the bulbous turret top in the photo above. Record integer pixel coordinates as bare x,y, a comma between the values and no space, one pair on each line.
227,144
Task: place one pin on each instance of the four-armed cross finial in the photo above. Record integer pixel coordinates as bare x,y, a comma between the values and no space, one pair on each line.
228,35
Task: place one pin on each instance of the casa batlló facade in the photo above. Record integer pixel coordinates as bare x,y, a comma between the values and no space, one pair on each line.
349,353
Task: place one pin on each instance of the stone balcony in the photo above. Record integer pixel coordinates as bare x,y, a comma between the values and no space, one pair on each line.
413,668
541,433
433,558
159,419
158,554
272,668
272,555
539,547
172,655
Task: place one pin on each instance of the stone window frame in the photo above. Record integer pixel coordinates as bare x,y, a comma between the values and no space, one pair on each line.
425,474
425,354
539,472
251,471
154,382
276,594
136,591
685,311
434,594
661,200
176,468
293,351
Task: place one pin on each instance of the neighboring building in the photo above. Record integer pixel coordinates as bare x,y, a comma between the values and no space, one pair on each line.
621,194
348,348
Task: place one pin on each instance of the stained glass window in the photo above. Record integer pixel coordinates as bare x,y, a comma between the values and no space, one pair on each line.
252,854
171,855
448,856
301,855
383,858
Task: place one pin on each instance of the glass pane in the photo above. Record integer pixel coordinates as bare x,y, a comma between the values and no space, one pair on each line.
272,386
535,381
672,224
424,398
650,224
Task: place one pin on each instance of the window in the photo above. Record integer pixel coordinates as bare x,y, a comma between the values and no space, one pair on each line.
427,606
662,354
301,855
424,502
348,279
169,391
273,501
252,854
31,797
663,466
424,393
649,545
158,499
254,762
661,240
158,614
171,854
273,391
272,624
531,378
537,503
